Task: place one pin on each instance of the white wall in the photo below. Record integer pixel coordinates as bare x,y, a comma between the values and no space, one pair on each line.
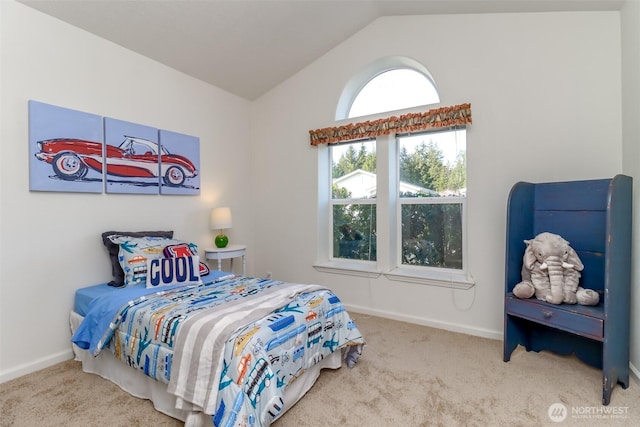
631,151
545,94
50,242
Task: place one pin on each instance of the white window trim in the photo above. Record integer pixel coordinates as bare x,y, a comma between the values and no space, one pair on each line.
354,268
377,67
329,264
388,229
456,279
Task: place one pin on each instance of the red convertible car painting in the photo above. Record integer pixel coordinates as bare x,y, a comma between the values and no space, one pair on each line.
71,159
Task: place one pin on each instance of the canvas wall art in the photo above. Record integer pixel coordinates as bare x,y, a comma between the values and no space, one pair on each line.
82,152
65,149
132,157
179,163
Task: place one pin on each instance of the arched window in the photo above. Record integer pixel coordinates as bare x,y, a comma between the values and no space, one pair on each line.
394,90
393,187
388,84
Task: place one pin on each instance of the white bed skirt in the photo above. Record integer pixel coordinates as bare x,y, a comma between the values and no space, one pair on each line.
139,385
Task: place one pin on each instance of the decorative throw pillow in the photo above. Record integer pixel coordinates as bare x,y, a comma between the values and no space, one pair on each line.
185,249
134,253
180,249
173,271
114,248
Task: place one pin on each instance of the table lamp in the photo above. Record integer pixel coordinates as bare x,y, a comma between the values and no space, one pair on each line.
221,220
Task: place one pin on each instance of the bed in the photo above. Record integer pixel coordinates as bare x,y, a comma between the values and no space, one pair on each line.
208,347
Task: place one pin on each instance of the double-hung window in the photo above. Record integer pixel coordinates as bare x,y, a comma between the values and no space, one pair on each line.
431,197
420,218
353,201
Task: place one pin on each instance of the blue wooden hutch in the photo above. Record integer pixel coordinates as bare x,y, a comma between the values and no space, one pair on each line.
595,217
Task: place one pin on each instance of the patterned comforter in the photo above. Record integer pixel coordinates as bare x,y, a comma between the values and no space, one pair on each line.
229,348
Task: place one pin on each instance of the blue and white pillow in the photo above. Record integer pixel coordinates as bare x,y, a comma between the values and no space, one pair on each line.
135,252
183,270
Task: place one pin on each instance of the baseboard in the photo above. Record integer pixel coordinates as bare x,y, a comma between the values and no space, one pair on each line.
453,327
634,372
36,365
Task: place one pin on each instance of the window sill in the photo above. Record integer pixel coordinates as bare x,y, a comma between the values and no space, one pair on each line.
349,268
456,280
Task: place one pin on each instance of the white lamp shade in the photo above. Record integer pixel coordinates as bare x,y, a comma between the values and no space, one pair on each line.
220,218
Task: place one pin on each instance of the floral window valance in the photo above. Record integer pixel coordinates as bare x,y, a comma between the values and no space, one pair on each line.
445,117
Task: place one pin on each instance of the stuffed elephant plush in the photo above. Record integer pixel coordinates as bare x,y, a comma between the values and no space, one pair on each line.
551,271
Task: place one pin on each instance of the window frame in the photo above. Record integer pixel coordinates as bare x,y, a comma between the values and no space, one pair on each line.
361,79
348,201
429,97
423,274
388,227
329,264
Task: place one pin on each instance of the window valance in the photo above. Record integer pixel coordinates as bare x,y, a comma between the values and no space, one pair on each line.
445,117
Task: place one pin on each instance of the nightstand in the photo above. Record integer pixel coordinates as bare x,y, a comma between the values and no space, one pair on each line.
230,252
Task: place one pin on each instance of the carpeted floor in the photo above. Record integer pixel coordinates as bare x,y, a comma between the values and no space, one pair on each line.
408,375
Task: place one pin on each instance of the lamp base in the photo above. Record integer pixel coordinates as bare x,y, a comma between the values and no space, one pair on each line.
221,241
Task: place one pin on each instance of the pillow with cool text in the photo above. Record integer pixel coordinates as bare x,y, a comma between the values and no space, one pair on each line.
183,270
134,252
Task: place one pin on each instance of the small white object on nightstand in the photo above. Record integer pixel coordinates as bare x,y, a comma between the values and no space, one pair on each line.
230,252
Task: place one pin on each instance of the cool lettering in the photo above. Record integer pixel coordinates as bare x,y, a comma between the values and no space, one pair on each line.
165,271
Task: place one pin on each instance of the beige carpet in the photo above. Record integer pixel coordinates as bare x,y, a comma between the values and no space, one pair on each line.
409,375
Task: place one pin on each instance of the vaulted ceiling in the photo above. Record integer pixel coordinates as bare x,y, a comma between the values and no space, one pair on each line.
247,47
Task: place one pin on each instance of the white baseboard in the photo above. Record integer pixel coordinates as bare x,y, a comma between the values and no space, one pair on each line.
36,365
453,327
634,372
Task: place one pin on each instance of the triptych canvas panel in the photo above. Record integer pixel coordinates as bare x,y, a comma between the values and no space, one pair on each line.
65,149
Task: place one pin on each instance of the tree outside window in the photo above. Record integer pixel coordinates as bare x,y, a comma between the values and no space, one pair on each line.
431,218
